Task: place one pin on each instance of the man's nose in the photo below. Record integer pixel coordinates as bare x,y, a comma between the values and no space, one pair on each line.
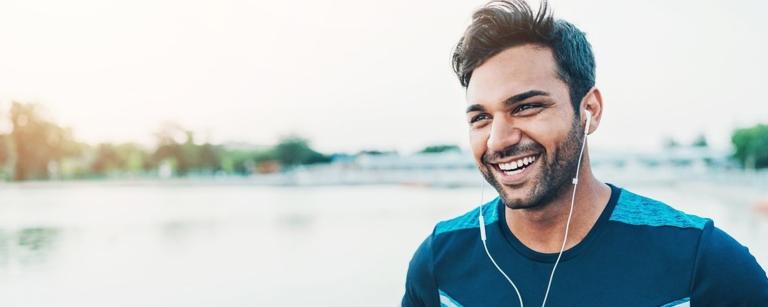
502,135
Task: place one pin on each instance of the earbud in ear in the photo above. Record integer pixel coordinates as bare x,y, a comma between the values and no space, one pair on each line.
589,118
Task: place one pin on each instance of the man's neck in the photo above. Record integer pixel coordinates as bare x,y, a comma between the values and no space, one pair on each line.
542,229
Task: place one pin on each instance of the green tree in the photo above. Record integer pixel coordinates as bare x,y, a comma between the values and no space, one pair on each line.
209,158
440,148
751,146
376,152
177,145
241,161
168,148
294,150
700,141
120,158
106,159
134,158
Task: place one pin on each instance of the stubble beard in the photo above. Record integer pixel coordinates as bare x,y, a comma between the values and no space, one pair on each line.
554,179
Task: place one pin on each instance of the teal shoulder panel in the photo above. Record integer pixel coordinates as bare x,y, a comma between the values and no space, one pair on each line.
446,300
469,219
683,302
639,210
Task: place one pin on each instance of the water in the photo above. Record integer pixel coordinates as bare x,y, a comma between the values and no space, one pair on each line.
197,244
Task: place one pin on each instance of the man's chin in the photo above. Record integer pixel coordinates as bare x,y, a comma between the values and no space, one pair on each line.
517,202
517,197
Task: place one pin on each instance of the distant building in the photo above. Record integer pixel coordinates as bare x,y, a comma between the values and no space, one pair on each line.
457,168
420,161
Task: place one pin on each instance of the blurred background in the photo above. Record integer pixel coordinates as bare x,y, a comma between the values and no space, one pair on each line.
293,153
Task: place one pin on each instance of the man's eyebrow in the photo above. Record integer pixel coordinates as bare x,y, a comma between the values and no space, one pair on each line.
475,107
523,96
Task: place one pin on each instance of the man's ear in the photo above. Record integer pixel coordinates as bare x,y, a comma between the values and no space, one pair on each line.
593,101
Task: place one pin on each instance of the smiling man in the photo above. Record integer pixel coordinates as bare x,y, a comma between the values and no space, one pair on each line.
556,235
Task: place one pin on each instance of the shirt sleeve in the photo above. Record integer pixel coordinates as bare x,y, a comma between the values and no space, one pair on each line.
420,285
726,274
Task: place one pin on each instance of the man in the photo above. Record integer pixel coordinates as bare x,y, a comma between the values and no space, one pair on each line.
556,235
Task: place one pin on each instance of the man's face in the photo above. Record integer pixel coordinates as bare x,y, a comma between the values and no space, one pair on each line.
523,134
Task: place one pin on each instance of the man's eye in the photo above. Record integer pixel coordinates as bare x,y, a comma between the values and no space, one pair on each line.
527,107
478,117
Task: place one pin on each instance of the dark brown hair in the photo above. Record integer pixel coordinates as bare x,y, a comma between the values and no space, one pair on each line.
502,24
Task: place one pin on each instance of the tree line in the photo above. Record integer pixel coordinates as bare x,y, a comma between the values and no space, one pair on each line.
36,148
751,146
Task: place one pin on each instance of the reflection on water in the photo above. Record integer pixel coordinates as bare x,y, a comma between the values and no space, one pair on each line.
26,247
95,244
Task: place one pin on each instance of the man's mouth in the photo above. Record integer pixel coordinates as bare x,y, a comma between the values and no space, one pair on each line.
513,169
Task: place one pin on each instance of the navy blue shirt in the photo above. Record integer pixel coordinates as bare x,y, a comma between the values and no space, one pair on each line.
640,252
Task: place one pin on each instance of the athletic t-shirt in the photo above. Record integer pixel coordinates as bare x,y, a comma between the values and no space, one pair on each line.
640,252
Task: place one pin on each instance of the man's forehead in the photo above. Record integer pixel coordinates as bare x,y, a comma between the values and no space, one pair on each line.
513,71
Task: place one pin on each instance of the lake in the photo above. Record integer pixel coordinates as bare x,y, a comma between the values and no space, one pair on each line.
227,244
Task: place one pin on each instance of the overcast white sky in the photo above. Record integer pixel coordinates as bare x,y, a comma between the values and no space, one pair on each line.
358,74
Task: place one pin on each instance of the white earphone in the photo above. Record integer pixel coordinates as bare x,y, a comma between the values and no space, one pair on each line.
567,224
586,125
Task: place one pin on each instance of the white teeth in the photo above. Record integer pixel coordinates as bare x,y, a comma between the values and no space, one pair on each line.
510,173
517,165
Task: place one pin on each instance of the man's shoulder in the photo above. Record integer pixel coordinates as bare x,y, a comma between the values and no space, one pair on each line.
726,272
635,209
469,220
421,286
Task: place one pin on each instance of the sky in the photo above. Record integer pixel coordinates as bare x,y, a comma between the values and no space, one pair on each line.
352,75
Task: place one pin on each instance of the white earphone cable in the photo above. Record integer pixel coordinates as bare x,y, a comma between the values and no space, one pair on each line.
485,246
570,212
565,235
